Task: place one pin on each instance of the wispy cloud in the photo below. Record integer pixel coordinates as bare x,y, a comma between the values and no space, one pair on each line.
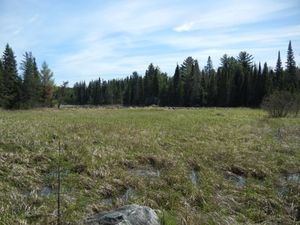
83,40
235,13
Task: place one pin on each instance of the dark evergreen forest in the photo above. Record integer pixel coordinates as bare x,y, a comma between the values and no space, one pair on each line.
236,82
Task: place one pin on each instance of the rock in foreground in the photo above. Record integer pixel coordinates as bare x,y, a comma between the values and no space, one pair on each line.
126,215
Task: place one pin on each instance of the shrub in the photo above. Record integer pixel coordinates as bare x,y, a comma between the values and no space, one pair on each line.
279,104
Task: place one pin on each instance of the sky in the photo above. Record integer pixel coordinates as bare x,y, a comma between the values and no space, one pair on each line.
86,39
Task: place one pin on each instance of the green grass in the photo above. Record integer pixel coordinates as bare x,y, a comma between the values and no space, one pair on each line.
104,151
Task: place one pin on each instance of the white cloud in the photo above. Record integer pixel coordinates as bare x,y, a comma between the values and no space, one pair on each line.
113,38
185,27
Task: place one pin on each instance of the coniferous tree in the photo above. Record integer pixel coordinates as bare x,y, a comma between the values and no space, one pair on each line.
237,82
203,91
127,91
178,88
222,81
11,82
209,69
164,88
267,80
279,73
245,59
291,69
197,89
1,83
155,85
62,93
135,89
31,81
186,72
148,84
211,82
47,83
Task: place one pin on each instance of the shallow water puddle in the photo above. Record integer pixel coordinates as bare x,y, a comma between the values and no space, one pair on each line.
50,184
285,181
194,177
239,180
293,177
145,172
46,191
127,194
123,197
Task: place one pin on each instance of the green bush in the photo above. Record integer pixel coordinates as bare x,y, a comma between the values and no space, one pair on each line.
282,103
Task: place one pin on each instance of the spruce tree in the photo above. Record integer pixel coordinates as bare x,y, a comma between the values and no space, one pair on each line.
178,88
267,80
31,81
151,84
11,82
155,83
209,69
279,73
291,69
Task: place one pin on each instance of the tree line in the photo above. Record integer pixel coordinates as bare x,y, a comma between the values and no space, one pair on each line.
236,82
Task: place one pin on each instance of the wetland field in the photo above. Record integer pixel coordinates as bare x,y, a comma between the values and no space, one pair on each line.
193,165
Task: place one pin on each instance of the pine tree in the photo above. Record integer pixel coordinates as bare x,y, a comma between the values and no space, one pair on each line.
47,84
11,89
291,69
186,73
245,60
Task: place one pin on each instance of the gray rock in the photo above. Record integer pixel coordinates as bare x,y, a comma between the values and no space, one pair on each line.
126,215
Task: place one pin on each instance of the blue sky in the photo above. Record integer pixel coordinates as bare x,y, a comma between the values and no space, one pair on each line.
82,40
